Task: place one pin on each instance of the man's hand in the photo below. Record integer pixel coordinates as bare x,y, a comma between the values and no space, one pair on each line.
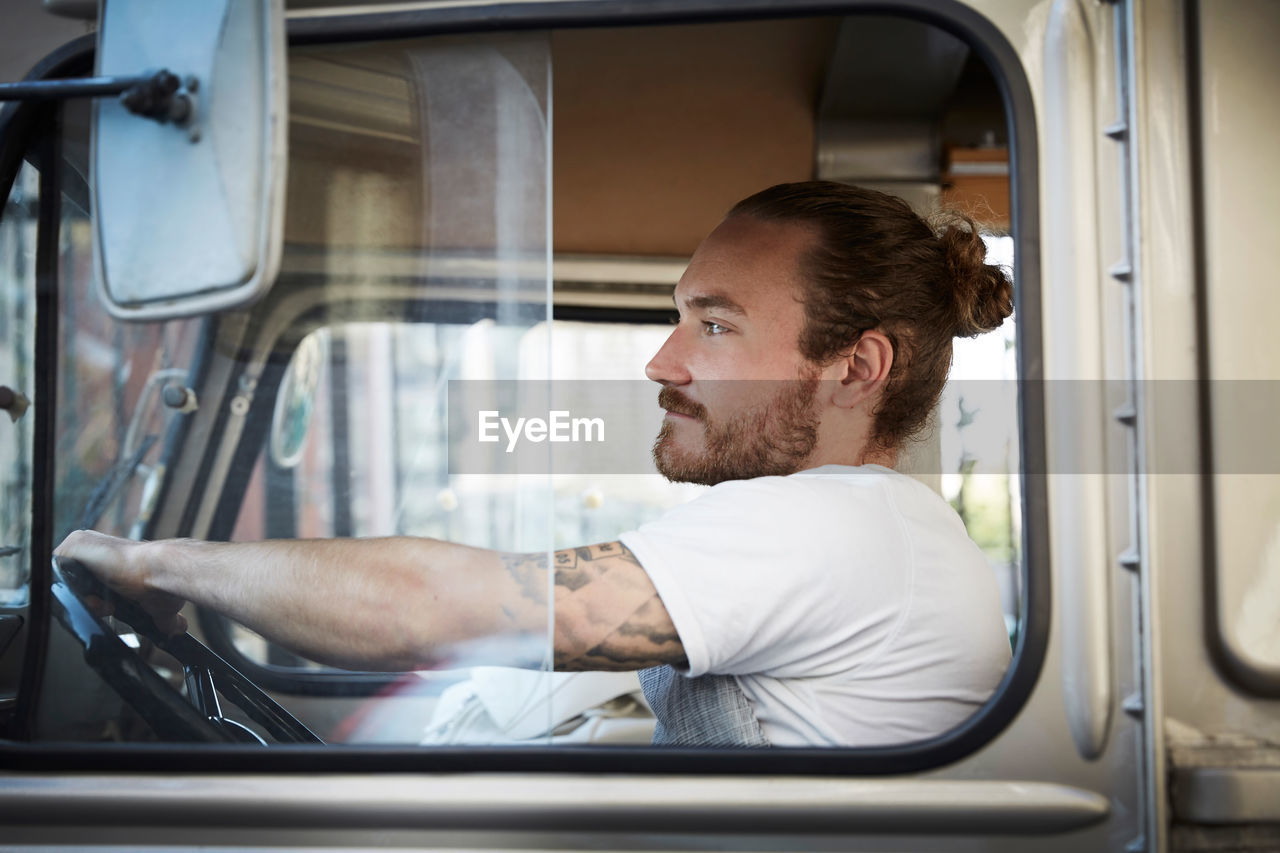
124,566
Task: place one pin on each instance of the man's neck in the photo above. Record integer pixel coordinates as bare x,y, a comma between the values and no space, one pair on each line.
865,456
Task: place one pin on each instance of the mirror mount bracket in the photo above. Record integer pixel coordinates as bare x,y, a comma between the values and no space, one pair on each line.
158,95
166,98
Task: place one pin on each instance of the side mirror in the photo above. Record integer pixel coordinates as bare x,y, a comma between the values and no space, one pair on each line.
188,202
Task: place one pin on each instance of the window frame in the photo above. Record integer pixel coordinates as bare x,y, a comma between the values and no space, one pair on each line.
990,45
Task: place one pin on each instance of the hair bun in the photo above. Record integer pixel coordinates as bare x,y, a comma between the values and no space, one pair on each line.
982,292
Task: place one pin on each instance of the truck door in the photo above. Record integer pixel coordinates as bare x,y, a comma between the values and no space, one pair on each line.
1213,503
1066,756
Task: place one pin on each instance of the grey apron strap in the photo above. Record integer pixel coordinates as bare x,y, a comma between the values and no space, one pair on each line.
710,710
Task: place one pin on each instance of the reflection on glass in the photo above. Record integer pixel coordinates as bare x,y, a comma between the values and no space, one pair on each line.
436,149
415,253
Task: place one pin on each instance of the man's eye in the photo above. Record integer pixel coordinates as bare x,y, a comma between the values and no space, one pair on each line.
713,328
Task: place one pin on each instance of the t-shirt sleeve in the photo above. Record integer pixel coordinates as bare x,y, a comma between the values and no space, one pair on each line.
771,576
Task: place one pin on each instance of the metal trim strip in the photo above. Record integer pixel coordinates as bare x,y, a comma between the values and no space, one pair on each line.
550,802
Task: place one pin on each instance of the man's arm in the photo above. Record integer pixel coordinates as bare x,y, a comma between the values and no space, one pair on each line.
608,615
397,603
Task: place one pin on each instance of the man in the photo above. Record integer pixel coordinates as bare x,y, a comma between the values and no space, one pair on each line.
812,596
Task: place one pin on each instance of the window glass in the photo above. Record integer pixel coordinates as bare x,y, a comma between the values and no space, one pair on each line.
17,366
345,472
419,253
416,235
109,451
976,443
980,450
112,419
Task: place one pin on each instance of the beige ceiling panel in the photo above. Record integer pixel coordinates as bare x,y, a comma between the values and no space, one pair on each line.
659,130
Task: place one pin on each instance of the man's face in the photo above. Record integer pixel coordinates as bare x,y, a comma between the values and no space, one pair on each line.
741,401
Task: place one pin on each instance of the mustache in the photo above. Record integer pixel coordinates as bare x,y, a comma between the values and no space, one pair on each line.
674,401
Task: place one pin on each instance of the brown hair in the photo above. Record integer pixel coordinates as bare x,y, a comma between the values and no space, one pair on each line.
877,265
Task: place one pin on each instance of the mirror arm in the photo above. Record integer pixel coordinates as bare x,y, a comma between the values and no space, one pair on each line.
159,95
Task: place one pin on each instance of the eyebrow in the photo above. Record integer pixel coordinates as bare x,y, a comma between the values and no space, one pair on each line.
712,300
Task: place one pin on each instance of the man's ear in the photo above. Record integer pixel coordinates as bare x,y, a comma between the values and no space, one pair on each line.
864,369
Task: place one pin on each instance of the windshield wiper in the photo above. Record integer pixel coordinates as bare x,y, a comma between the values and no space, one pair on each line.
109,487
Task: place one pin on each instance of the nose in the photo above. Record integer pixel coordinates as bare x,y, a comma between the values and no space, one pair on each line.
668,366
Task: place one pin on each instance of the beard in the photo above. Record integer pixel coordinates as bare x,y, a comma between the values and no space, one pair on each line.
774,437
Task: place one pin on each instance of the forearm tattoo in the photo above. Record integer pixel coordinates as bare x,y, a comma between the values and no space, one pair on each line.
608,616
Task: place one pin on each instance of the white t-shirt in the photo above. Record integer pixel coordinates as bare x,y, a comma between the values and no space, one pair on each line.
849,602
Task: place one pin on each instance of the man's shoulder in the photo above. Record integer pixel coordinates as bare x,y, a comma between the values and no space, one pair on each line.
823,478
831,498
838,485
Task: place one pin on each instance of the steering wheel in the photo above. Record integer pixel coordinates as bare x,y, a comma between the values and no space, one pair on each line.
198,717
